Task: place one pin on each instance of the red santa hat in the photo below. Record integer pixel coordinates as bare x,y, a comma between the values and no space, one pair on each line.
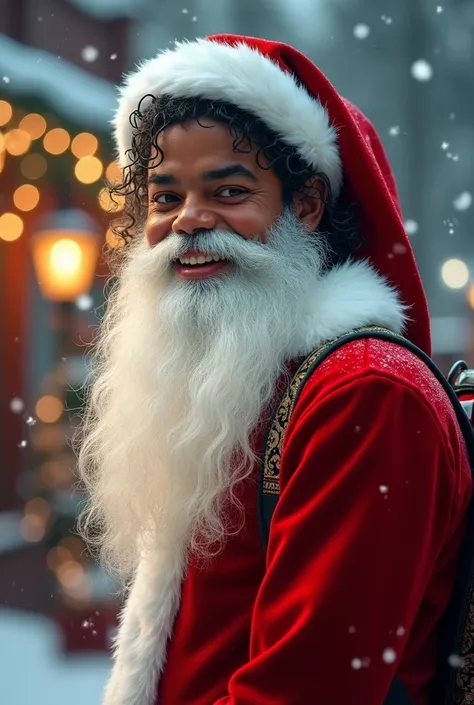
292,96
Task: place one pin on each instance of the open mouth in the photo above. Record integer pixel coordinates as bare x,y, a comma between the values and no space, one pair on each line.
200,266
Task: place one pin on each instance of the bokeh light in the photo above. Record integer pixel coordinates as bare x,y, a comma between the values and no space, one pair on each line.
113,173
33,166
56,141
88,170
17,142
34,124
49,408
11,227
6,112
470,296
113,240
26,197
110,203
84,145
455,273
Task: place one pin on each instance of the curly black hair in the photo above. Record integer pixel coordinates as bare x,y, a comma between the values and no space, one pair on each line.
247,132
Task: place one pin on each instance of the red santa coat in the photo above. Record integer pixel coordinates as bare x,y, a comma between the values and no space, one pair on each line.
362,552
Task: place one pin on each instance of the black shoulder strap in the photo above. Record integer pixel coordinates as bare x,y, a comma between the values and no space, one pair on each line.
456,623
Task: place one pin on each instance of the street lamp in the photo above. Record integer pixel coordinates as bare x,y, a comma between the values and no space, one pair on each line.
65,251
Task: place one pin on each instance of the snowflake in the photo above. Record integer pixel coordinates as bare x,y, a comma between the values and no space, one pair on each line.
352,629
411,227
383,489
400,631
6,79
387,20
399,248
356,663
195,19
444,145
455,661
394,131
389,656
463,201
361,31
113,56
17,405
89,53
22,444
184,11
421,70
439,9
30,421
84,302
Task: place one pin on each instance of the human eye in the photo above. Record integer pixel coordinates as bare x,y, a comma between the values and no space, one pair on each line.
232,191
164,198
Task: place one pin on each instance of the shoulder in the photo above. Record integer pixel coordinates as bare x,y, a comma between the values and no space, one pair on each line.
387,386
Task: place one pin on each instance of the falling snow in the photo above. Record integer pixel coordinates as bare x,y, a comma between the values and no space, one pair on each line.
387,20
195,19
400,631
352,629
421,70
30,421
22,444
455,661
361,31
383,489
84,302
17,405
356,663
357,429
411,227
399,248
463,201
444,145
89,53
113,56
6,79
184,11
394,131
389,656
439,9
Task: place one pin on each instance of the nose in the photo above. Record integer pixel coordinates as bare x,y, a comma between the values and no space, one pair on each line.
193,217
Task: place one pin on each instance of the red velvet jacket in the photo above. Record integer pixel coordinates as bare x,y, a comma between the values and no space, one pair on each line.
362,552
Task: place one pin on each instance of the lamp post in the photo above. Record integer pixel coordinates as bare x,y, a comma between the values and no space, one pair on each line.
65,250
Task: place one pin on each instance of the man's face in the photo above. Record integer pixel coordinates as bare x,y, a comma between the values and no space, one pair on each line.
203,184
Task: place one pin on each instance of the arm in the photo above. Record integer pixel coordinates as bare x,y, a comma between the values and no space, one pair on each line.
367,498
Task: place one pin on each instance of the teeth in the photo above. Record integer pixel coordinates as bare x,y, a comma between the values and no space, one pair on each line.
202,259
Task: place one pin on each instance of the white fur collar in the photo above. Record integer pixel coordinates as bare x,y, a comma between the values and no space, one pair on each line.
347,297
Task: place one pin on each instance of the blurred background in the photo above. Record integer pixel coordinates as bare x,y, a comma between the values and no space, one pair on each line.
408,65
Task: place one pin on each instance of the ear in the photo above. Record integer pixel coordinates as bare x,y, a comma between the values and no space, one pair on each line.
309,203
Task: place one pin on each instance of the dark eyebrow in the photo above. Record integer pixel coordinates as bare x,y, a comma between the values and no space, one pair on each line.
214,175
232,170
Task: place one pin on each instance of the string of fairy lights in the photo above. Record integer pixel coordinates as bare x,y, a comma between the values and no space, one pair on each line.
29,139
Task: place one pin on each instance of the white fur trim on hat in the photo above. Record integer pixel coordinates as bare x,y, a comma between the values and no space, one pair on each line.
243,76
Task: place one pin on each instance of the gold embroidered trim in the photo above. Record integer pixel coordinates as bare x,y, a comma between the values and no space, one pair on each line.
276,435
464,688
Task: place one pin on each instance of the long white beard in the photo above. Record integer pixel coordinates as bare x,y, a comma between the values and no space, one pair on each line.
182,372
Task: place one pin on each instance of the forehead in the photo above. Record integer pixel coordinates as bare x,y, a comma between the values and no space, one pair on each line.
204,143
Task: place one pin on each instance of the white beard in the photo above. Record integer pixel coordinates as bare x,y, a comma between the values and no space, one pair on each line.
183,372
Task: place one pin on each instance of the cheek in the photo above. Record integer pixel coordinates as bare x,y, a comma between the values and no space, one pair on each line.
254,221
156,229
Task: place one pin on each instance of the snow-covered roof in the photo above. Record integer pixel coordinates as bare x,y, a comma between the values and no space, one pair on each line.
68,89
108,9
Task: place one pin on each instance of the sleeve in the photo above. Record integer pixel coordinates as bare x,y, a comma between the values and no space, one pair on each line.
366,502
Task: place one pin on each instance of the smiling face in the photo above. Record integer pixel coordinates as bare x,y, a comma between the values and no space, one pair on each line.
203,184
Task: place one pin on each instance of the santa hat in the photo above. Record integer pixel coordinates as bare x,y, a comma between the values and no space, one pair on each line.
290,95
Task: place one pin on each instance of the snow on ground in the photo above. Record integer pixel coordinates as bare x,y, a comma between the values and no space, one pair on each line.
34,671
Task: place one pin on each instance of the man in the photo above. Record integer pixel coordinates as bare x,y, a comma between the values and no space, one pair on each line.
262,220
